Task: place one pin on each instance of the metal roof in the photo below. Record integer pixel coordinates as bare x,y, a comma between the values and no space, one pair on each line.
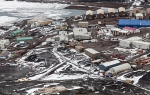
92,51
134,22
110,63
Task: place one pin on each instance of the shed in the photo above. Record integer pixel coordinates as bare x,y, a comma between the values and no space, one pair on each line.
132,13
24,39
92,53
119,68
141,45
4,54
89,14
143,12
63,36
122,11
50,40
4,43
127,43
137,10
100,14
16,32
111,12
79,48
72,44
107,65
81,34
139,16
148,10
83,24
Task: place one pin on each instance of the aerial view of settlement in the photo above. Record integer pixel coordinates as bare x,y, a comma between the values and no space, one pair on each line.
74,47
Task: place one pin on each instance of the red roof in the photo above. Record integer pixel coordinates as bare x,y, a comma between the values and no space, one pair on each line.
129,28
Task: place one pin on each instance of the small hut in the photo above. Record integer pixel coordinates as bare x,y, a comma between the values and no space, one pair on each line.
100,14
148,10
111,12
143,12
132,13
122,11
136,10
139,16
89,14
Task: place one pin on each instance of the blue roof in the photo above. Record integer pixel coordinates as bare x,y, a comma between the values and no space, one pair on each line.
134,22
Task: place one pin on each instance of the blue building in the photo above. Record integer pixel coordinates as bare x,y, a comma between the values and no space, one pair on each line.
133,23
107,65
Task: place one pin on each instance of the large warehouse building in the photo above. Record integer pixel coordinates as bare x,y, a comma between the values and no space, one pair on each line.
133,23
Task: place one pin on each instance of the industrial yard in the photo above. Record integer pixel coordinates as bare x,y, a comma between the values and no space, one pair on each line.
104,51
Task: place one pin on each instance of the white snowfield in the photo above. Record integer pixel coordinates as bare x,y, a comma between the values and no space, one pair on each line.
12,10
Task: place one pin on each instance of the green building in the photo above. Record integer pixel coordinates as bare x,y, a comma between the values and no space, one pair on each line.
24,39
16,32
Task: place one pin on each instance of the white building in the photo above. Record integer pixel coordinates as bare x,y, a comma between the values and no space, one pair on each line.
119,68
141,44
50,40
127,43
63,36
81,34
4,43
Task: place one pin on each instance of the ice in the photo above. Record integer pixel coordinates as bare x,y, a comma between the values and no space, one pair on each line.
5,20
28,9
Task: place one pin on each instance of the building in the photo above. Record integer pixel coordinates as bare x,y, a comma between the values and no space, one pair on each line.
122,11
124,32
4,43
50,40
100,14
141,45
132,13
133,23
92,53
89,14
4,54
39,21
120,68
139,16
127,43
63,36
83,24
111,12
30,39
72,44
81,34
143,12
115,31
16,32
148,10
79,48
132,30
107,65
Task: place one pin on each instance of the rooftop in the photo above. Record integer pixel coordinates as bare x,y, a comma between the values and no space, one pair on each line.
92,51
110,63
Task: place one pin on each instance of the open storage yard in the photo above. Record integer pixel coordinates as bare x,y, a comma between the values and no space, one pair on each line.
103,51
